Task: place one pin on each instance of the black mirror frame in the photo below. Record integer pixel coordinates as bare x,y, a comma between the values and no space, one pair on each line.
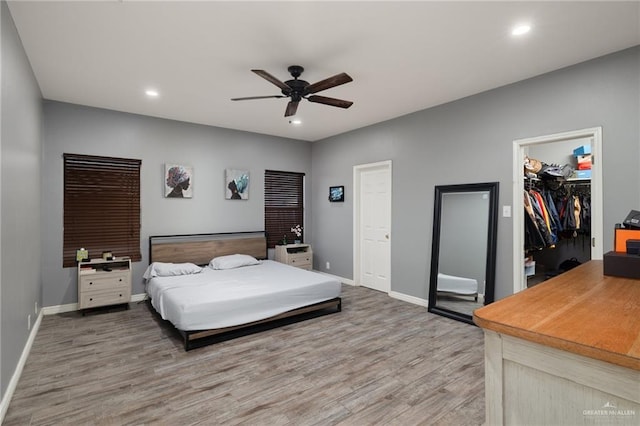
490,271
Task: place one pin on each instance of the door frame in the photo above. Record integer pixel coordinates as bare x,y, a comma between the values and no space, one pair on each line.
357,232
519,148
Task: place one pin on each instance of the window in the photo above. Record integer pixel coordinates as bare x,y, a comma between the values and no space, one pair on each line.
101,207
283,204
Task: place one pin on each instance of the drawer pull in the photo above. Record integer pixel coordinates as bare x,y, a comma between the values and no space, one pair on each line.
90,299
90,282
120,280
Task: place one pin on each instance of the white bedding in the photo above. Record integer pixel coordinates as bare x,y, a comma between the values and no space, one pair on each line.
224,298
459,285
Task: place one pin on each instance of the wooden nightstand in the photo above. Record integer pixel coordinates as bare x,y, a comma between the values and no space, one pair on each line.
298,255
104,282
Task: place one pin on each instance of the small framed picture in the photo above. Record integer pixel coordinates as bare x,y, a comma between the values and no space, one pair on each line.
336,193
178,181
236,184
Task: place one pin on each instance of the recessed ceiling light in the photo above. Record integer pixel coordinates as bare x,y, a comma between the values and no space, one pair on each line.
152,93
519,30
295,121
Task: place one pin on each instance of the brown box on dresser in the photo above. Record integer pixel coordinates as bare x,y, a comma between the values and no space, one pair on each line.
622,265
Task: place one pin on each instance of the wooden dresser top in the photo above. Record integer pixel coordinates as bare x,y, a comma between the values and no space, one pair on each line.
581,311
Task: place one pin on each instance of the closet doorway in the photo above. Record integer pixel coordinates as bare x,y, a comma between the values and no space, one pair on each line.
522,148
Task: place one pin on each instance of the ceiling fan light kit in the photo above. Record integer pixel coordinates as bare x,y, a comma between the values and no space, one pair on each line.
297,89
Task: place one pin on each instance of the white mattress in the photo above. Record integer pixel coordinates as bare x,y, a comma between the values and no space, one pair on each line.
224,298
459,285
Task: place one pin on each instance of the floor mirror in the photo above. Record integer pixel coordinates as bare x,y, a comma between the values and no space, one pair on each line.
463,254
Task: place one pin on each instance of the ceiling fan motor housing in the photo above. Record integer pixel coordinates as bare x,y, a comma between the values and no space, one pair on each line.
296,91
296,88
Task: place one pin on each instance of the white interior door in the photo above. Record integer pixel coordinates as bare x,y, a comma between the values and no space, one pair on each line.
374,226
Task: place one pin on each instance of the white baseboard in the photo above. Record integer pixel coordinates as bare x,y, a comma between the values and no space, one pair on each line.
411,299
59,309
70,307
341,279
138,297
11,388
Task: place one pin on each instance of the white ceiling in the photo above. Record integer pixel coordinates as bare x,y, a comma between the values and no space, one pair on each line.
403,56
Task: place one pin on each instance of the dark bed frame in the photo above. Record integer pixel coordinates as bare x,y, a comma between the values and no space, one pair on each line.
200,249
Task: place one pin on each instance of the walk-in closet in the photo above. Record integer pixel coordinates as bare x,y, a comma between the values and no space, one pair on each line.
557,208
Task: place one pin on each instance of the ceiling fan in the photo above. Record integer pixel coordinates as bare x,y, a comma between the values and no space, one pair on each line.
300,89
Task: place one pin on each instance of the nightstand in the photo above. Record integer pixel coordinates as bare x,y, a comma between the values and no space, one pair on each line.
298,255
104,282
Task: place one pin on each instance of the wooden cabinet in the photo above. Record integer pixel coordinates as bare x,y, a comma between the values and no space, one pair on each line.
566,351
104,282
298,255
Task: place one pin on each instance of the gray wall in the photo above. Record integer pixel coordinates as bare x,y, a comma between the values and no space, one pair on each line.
83,130
470,140
20,153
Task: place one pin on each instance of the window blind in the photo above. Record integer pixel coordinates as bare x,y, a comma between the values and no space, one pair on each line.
101,206
283,204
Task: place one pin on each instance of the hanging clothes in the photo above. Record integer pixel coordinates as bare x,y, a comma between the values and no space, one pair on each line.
553,211
552,215
539,217
533,238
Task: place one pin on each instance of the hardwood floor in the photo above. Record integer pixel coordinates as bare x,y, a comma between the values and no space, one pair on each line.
379,361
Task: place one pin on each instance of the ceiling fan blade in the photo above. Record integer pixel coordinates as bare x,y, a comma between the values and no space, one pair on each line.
330,101
271,79
328,83
292,107
258,97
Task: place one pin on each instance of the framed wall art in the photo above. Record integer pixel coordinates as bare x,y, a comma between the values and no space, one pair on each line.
336,193
236,184
178,181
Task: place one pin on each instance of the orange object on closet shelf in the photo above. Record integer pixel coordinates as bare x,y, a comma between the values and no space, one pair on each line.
584,162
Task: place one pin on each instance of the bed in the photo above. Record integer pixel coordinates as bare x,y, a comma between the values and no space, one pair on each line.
213,287
457,285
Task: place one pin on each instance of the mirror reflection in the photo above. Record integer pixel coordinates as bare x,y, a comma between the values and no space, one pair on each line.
463,253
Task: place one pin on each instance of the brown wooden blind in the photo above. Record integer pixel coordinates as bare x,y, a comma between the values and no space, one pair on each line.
101,206
283,205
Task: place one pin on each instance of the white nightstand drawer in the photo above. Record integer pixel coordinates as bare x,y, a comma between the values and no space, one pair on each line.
101,298
299,258
104,281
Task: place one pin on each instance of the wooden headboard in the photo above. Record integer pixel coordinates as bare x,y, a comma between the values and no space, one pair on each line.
201,248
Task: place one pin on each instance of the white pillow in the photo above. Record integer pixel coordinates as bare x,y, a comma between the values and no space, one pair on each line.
161,269
233,261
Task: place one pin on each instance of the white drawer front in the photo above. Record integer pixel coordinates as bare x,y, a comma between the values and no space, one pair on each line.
102,281
102,298
300,258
